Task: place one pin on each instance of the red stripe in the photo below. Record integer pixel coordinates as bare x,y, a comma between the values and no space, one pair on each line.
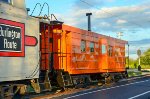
30,41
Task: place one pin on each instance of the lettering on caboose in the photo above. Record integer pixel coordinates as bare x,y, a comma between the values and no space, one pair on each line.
10,38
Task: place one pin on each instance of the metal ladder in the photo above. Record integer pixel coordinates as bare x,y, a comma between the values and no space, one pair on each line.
44,82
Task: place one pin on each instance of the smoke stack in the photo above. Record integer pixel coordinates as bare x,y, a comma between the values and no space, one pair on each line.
89,20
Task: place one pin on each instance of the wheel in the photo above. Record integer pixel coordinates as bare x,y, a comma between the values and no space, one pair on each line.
107,80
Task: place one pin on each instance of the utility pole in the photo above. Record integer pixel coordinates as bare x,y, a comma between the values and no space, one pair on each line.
139,55
128,56
119,34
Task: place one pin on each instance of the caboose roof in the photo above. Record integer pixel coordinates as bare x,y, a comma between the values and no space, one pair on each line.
65,27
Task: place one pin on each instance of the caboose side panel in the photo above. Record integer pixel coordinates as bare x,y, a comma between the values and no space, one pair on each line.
120,56
113,60
84,52
92,53
103,55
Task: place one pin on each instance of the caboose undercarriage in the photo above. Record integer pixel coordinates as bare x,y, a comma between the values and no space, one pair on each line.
82,80
60,80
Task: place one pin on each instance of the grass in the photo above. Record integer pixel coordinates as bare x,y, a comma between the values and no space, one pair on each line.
133,73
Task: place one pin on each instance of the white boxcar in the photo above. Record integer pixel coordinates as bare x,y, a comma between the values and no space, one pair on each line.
19,60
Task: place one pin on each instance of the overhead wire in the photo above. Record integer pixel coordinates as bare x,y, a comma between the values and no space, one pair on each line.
116,16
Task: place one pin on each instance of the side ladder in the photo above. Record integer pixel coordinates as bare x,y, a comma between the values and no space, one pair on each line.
44,82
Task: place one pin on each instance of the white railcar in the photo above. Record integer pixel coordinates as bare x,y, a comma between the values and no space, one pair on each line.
19,58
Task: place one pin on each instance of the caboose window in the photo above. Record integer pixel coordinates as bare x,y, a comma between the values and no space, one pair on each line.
91,46
83,45
110,50
103,49
118,52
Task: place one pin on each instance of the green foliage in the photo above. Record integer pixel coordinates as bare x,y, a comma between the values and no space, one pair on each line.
147,52
132,63
135,65
145,58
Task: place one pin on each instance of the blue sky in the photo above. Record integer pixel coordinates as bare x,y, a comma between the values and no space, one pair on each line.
132,17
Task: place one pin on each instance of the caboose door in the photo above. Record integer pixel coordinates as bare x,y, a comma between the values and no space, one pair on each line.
45,46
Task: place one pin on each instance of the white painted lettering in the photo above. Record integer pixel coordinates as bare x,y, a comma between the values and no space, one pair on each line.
10,45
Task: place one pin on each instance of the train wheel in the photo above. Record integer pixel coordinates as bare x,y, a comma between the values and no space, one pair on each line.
116,78
109,79
124,75
81,81
87,79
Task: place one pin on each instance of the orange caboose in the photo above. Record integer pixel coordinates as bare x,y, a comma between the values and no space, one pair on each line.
80,52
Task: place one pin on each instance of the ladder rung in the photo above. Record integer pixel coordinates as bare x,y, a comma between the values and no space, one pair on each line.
66,80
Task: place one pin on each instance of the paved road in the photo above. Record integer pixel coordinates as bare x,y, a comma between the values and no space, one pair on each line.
132,89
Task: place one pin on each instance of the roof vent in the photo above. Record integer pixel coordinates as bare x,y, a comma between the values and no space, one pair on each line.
89,20
18,3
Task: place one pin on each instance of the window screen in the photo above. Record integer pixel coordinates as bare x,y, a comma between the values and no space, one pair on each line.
118,52
83,45
110,50
91,46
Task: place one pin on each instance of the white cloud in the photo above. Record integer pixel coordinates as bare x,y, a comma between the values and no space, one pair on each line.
148,13
120,21
133,21
105,24
143,45
118,18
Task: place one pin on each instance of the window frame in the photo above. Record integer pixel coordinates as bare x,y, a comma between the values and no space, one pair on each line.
103,49
92,49
83,47
110,50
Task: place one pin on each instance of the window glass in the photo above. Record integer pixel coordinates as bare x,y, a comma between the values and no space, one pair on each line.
103,49
83,45
91,46
110,50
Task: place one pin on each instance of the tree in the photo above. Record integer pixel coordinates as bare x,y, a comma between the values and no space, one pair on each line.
135,65
145,58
